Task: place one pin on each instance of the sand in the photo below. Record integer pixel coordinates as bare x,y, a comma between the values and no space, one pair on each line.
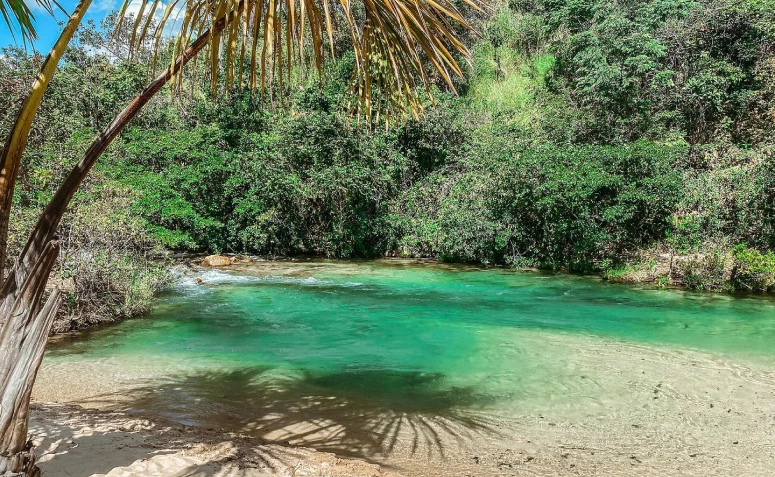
73,441
649,412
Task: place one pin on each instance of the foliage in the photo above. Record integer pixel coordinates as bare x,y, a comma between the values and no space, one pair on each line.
753,270
698,68
260,44
586,132
107,266
18,14
705,273
557,207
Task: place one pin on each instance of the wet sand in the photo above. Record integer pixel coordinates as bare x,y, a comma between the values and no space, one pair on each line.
646,411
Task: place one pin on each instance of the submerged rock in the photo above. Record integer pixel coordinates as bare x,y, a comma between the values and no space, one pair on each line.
216,261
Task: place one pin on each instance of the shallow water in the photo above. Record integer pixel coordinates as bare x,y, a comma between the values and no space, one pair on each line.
270,345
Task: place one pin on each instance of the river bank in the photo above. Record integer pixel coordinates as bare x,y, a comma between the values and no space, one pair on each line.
740,271
436,371
686,414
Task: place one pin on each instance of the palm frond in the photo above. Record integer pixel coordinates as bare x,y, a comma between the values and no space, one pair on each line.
264,40
17,14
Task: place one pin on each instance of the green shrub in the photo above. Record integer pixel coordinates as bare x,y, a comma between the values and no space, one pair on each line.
616,273
108,265
753,270
573,206
706,272
684,234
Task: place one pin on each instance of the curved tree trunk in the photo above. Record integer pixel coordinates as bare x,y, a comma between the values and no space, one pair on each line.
49,220
23,329
22,341
17,139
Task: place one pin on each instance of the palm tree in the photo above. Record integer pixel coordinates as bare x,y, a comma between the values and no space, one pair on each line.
250,43
24,325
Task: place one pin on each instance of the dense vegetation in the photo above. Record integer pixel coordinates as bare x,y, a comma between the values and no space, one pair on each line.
632,139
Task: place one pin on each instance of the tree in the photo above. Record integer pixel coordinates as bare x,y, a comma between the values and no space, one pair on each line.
392,40
11,156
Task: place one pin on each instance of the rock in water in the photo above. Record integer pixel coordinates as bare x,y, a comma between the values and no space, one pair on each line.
216,261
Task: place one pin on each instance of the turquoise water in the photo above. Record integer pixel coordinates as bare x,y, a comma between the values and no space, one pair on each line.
396,336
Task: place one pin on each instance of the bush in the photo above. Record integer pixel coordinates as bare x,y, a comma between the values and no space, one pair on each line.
107,266
753,270
556,207
706,272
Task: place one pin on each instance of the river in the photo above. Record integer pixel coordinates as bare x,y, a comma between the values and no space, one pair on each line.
445,370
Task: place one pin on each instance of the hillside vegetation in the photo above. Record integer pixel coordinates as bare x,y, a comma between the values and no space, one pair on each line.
630,139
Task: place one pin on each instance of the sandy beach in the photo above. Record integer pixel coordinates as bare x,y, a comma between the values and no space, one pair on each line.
72,441
664,413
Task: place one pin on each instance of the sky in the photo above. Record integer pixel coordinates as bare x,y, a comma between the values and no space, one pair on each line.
48,28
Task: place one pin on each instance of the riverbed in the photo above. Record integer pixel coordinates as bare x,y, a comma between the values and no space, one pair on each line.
429,369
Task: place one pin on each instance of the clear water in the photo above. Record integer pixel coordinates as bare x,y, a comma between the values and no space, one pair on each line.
394,336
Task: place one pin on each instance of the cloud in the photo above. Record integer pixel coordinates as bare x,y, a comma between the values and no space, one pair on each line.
37,8
106,5
173,22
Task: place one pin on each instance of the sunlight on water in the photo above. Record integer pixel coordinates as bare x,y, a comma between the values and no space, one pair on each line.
396,337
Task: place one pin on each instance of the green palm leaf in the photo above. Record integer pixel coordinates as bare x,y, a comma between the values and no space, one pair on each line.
17,14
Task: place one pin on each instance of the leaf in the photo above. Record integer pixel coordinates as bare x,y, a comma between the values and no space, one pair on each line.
392,43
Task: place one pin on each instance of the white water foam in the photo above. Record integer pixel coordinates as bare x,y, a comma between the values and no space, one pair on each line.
218,277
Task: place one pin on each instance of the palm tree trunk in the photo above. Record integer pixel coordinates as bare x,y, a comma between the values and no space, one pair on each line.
17,139
22,341
23,330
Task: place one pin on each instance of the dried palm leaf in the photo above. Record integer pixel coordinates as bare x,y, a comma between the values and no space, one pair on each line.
392,40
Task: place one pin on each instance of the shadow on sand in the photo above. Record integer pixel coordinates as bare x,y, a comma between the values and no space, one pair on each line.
71,441
356,413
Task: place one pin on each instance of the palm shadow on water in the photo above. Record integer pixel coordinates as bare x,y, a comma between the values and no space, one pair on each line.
356,413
